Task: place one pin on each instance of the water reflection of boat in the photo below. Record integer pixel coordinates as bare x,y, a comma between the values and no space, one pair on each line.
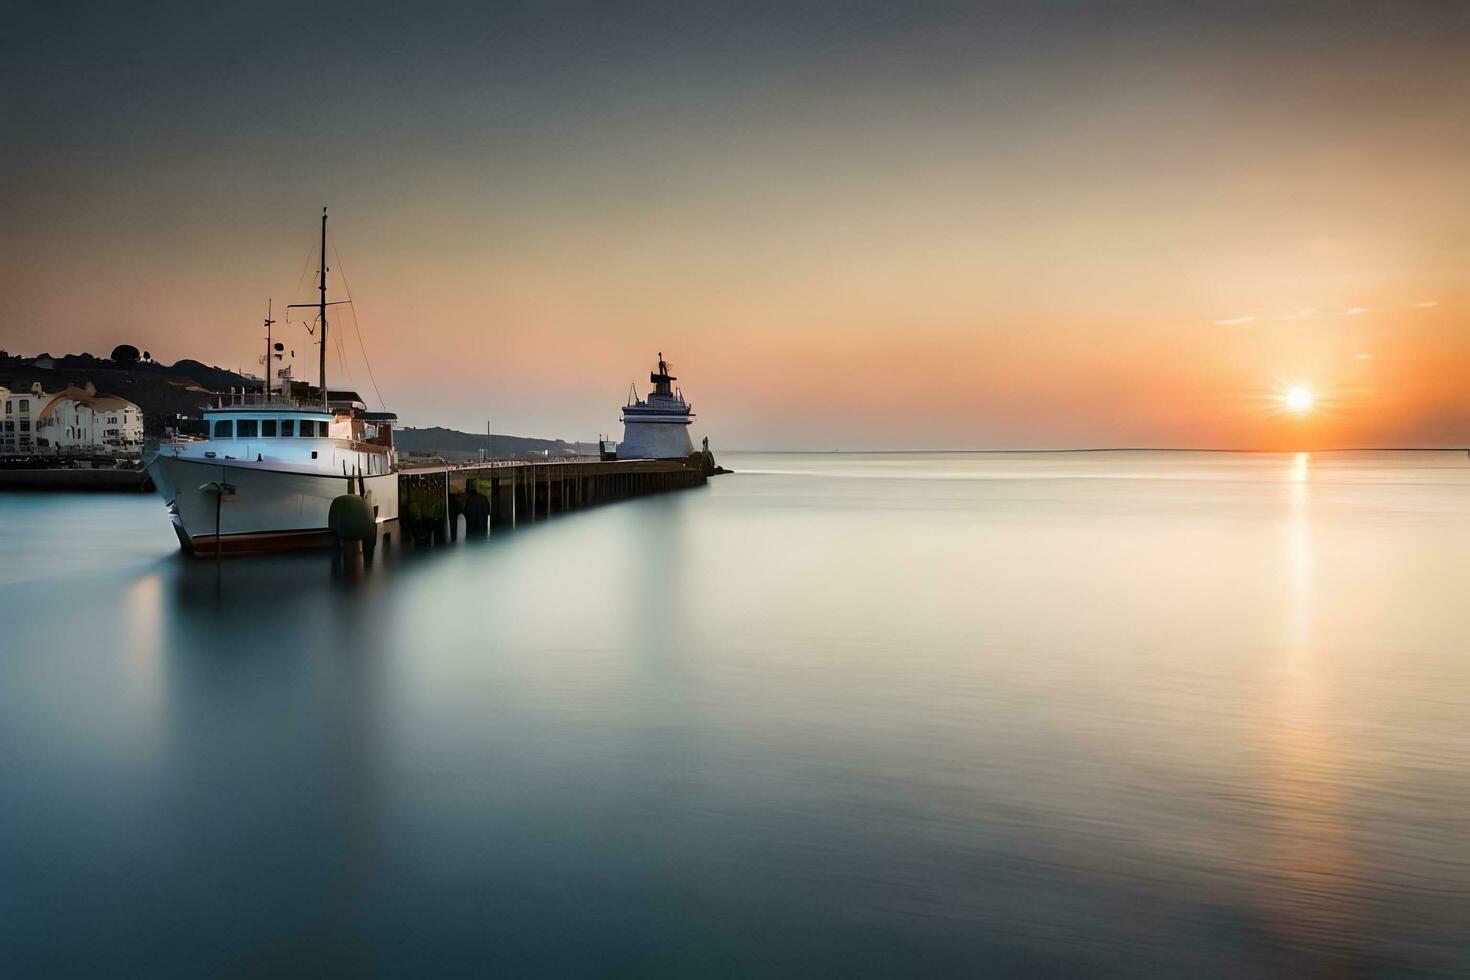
265,476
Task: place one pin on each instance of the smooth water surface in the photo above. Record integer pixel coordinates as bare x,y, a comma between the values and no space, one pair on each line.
1091,714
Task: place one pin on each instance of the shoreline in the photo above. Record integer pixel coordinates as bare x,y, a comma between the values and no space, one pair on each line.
77,479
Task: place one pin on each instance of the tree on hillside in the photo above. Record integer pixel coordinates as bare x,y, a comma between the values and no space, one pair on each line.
125,354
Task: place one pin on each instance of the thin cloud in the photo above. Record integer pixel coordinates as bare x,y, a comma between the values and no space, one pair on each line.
1313,313
1302,314
1364,357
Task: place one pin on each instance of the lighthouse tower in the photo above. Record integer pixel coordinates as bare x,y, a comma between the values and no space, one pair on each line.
659,427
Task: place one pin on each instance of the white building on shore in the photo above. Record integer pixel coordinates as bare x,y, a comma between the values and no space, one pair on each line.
22,412
80,420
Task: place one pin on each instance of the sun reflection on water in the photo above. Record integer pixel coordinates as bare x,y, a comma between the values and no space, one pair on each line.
1311,897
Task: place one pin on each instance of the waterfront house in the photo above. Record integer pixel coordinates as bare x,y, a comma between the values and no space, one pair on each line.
22,408
81,420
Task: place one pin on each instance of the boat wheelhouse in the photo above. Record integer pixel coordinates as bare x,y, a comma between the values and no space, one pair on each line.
345,438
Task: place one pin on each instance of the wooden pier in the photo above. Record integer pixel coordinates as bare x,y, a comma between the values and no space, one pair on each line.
432,499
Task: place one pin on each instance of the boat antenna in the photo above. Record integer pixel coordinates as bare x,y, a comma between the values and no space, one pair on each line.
268,322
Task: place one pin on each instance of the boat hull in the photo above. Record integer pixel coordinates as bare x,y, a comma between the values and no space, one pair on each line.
264,509
661,438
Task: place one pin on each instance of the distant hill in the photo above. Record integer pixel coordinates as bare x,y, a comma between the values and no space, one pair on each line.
216,378
452,444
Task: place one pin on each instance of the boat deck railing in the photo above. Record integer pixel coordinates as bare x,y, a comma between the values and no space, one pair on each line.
256,399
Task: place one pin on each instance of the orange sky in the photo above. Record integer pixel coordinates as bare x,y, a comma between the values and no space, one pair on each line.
919,235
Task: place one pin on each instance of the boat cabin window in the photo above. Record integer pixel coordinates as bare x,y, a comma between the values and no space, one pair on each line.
224,429
246,429
288,427
268,428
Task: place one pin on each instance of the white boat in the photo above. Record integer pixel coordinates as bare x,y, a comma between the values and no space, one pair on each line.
266,474
657,427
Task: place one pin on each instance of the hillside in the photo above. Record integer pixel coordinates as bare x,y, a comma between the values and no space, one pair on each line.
166,391
163,391
452,444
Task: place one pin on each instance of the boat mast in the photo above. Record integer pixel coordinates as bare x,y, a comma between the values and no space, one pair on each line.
322,285
321,306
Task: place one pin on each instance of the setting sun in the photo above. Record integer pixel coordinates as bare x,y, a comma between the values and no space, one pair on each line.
1299,400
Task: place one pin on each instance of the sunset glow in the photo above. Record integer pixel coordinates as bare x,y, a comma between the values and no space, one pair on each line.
845,231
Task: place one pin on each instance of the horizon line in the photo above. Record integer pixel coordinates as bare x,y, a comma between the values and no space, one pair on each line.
1100,449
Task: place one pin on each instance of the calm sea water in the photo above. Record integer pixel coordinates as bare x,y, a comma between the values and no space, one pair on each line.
1094,714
